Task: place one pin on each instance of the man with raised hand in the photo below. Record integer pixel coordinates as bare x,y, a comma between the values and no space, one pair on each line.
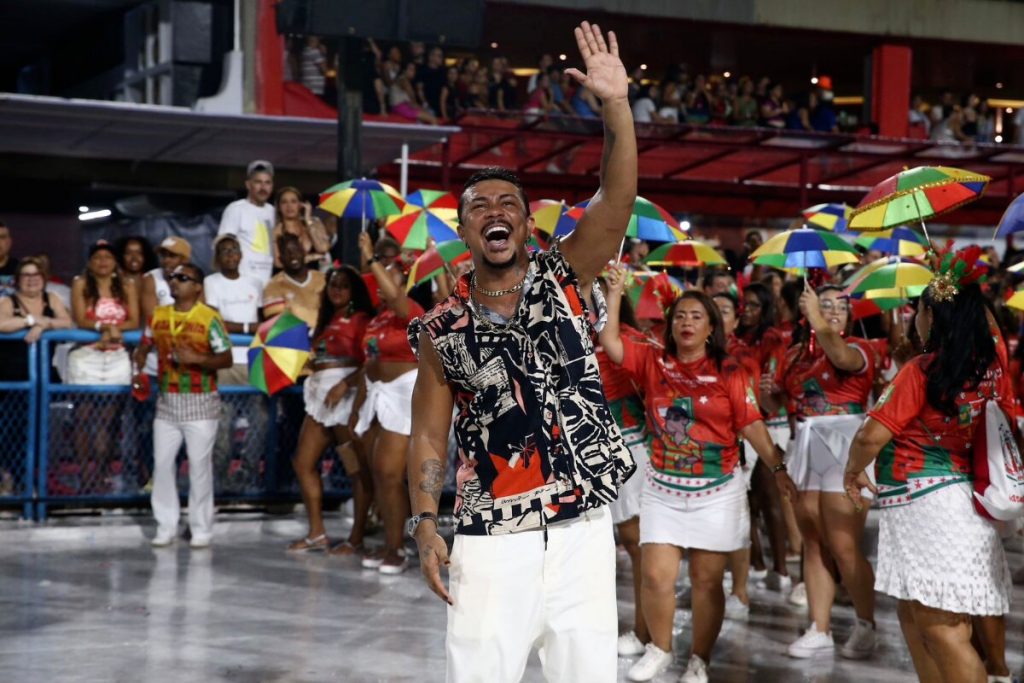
533,561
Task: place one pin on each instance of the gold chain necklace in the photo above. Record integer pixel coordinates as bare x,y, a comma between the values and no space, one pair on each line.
496,292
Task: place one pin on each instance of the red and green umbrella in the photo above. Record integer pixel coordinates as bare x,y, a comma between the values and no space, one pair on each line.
652,293
832,217
915,195
647,222
442,203
414,229
362,198
804,248
901,241
685,254
436,261
278,353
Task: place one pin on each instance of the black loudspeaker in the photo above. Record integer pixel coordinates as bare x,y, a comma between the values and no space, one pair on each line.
442,22
457,23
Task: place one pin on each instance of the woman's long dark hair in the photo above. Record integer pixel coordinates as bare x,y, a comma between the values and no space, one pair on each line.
716,342
962,344
755,333
359,297
92,288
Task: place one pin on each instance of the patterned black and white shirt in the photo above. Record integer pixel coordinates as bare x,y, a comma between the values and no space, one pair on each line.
537,442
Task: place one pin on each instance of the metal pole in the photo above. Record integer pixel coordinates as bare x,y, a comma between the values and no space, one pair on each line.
404,184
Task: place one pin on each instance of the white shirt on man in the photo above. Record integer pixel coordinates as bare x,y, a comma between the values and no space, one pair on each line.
237,301
253,226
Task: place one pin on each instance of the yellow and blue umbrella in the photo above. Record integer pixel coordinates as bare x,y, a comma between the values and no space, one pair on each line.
832,217
362,198
444,204
901,241
278,353
414,229
804,248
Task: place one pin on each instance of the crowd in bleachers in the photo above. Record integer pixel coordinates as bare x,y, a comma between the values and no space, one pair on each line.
417,83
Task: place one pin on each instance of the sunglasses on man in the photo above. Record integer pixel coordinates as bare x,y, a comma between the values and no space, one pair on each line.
182,277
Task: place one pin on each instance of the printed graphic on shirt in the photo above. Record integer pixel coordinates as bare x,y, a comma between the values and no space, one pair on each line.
260,238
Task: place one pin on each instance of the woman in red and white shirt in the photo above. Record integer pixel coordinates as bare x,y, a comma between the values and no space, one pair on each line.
384,417
825,380
329,393
698,403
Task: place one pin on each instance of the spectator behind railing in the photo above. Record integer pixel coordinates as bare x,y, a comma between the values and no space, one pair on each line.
7,262
29,308
295,217
295,289
135,256
238,299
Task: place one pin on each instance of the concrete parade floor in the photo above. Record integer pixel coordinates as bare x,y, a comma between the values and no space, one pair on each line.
87,599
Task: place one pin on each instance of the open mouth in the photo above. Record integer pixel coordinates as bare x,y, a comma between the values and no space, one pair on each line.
496,236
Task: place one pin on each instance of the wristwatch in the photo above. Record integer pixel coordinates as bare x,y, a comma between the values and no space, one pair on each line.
414,522
30,320
779,467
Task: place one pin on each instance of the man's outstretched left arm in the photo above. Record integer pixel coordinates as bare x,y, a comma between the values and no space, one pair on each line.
598,235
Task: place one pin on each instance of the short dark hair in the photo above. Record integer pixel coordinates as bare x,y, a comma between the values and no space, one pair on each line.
197,272
713,274
493,173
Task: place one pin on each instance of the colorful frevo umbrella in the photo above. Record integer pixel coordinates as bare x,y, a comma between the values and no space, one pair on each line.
652,293
898,280
901,241
362,198
442,203
647,222
687,253
414,229
549,217
436,261
915,195
278,353
1016,300
1013,218
804,248
832,217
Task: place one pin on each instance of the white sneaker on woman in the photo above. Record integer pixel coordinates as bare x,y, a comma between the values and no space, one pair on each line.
861,643
778,582
654,661
798,596
811,643
629,645
735,609
696,671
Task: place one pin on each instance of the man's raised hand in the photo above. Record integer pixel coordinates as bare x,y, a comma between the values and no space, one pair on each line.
606,76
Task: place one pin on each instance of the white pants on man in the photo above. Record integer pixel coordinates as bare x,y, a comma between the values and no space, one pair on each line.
511,594
199,437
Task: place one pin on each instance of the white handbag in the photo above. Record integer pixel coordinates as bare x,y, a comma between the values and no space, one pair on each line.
998,470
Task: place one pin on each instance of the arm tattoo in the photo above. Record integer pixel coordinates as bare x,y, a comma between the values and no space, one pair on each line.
433,478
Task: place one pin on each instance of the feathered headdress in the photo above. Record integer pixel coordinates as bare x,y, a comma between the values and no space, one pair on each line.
954,271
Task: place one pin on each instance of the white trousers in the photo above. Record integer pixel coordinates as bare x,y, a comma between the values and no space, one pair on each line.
512,594
199,437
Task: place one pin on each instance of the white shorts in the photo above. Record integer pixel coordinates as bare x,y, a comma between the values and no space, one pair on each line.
938,551
315,391
513,592
627,505
390,403
817,455
89,365
719,522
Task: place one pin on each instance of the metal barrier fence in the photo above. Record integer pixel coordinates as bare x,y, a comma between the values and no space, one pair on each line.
92,444
19,418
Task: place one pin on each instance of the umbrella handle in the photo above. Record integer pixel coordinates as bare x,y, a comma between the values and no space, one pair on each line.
622,246
924,227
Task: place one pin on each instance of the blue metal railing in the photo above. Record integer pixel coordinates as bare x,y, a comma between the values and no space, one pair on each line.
64,474
20,401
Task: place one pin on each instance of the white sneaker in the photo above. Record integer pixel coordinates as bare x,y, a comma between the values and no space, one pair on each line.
163,538
757,574
393,568
654,661
735,609
199,542
798,596
861,643
696,671
777,582
1000,679
811,643
629,645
